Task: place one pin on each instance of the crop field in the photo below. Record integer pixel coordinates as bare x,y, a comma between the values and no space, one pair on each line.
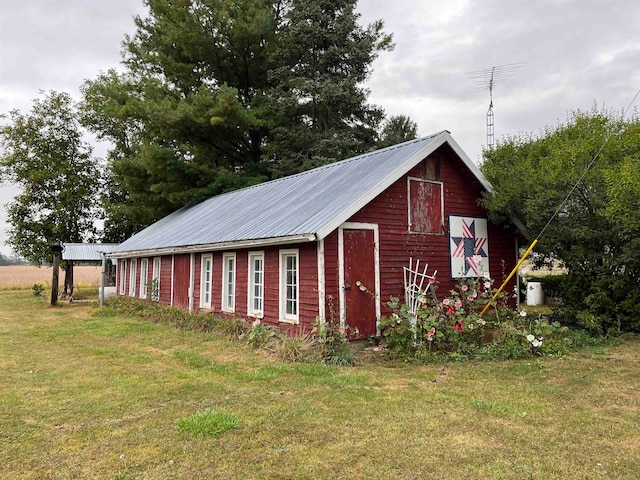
17,277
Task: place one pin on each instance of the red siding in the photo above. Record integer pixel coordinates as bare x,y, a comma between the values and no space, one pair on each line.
389,211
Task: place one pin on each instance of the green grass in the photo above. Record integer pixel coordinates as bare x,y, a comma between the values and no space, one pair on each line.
209,422
85,396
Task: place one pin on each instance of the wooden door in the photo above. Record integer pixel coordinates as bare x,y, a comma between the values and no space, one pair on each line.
181,280
360,281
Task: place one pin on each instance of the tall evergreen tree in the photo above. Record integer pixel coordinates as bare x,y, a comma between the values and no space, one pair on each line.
221,94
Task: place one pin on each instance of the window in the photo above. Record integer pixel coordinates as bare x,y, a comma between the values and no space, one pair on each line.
144,277
255,303
206,270
229,282
426,206
123,274
289,286
132,277
155,280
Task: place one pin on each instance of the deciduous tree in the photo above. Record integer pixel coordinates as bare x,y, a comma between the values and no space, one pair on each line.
44,154
596,233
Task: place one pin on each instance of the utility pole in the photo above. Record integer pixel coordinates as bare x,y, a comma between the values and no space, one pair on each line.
56,249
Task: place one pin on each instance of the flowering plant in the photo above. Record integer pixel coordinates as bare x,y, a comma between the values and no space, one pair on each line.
453,323
332,339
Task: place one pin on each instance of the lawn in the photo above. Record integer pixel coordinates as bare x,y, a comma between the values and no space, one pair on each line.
87,396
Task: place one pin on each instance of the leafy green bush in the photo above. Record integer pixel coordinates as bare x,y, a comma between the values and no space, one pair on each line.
259,335
37,288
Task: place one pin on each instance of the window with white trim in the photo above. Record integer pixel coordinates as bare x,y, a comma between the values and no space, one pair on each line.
206,271
144,276
132,277
122,266
255,297
289,287
229,282
155,279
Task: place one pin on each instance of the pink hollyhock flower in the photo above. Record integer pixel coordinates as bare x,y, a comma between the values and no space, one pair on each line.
471,298
432,280
450,310
342,330
431,333
458,304
465,288
446,301
487,285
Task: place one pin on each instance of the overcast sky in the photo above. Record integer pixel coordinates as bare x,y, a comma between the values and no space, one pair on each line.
576,52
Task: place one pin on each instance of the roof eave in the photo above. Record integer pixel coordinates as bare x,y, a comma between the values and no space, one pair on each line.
254,243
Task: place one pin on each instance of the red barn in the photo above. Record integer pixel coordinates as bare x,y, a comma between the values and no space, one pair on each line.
329,241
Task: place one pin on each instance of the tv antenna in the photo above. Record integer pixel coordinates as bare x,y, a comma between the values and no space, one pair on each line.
486,80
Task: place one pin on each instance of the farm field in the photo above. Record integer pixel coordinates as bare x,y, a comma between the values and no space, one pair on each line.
15,277
90,394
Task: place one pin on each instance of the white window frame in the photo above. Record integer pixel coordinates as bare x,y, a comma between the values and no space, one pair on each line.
288,317
133,265
252,311
206,290
122,266
144,276
157,268
228,283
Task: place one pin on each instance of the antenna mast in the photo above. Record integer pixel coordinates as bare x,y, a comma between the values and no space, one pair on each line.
486,80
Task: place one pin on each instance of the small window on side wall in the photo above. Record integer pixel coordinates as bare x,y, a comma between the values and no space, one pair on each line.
206,271
255,297
289,286
229,282
426,206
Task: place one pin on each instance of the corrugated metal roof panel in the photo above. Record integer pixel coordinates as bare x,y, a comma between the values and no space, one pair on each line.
301,204
86,252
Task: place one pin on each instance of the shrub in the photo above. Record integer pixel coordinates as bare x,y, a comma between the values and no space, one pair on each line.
37,288
454,327
332,341
259,335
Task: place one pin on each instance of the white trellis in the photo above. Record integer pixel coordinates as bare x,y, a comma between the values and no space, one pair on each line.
417,284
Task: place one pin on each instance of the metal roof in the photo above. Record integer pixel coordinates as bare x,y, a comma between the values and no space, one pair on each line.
86,252
308,205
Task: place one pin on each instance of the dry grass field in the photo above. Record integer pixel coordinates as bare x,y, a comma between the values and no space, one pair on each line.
17,277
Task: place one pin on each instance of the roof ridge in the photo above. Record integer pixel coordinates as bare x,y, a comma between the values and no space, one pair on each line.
332,164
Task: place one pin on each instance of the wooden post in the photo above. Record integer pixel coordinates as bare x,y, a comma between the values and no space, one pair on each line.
56,248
